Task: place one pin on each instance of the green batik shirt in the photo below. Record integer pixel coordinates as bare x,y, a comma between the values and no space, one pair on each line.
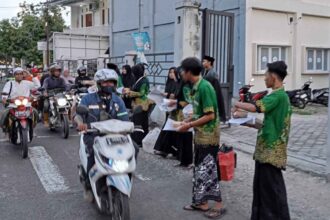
141,96
273,137
204,100
184,100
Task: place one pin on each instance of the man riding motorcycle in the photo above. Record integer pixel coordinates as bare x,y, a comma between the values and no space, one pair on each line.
103,105
54,81
82,77
16,88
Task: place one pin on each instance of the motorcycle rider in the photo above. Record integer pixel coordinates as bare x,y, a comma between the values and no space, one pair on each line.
80,81
102,105
16,88
54,81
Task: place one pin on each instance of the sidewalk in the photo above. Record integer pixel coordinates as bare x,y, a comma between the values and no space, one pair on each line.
307,142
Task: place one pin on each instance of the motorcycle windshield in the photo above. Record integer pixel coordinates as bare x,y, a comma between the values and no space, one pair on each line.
113,126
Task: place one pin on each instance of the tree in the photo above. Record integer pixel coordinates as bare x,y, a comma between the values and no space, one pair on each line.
19,36
7,35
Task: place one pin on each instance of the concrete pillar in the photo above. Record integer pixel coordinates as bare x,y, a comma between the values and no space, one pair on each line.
296,51
44,58
111,44
328,145
187,28
13,62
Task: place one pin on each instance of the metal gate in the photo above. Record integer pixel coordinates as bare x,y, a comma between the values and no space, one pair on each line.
217,42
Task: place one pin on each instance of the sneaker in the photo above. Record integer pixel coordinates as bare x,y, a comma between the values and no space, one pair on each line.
88,196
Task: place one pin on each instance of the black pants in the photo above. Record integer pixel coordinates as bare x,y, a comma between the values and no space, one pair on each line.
140,119
185,145
166,142
269,194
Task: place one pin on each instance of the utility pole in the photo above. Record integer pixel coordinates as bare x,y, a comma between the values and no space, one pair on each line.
47,32
327,172
140,16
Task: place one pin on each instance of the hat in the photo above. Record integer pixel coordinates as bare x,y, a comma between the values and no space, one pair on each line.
112,66
35,70
208,58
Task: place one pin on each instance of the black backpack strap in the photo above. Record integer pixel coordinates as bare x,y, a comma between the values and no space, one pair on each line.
11,87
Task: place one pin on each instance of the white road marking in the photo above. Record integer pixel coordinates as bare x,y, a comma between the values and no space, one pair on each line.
141,177
47,170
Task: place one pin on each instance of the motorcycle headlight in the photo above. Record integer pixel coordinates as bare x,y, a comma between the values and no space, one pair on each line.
119,166
62,101
18,102
69,97
25,101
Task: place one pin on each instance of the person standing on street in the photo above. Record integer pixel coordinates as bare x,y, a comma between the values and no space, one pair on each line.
205,121
141,104
210,75
208,67
269,191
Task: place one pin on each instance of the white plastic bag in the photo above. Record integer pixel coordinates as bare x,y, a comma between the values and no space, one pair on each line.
148,143
157,116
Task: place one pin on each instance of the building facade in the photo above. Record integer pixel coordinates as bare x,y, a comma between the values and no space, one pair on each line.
296,31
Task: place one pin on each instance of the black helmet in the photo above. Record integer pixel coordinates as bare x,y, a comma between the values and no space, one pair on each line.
82,71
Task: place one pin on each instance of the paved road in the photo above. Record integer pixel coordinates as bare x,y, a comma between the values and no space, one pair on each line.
159,193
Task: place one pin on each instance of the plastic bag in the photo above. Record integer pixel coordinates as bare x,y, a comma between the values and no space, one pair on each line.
148,143
157,117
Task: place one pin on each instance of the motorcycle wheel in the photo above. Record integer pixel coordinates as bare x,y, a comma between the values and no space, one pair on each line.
24,141
120,204
301,104
65,124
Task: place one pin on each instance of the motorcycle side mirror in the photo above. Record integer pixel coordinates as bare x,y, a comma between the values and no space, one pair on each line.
82,110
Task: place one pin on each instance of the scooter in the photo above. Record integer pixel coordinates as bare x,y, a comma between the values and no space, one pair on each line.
298,98
246,96
318,96
110,178
21,123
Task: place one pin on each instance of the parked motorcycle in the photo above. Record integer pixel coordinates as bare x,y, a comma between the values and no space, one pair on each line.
21,123
59,111
318,96
298,98
246,96
110,177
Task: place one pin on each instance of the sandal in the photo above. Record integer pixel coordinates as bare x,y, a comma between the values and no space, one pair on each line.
215,213
193,207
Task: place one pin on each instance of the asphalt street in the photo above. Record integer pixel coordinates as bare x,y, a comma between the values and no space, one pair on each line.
46,185
159,190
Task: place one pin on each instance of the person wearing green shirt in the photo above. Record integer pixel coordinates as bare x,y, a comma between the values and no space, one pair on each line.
269,191
205,121
141,104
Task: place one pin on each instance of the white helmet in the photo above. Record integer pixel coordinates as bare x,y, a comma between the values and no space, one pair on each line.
105,75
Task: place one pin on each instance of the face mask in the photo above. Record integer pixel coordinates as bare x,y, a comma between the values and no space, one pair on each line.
108,89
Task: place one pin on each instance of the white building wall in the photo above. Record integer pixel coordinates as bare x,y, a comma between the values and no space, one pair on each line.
294,24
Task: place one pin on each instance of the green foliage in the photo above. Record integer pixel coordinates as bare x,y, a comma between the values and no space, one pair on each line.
19,36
